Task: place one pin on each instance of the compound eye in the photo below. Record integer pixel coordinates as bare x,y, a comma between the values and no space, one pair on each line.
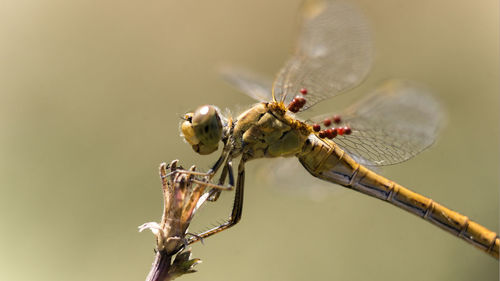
207,125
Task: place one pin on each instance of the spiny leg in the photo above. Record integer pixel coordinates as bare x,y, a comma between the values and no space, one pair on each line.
224,158
228,170
208,175
212,171
219,162
204,181
217,187
214,193
238,196
237,205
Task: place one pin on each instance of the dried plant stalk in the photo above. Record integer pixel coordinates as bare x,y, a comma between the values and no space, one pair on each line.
182,197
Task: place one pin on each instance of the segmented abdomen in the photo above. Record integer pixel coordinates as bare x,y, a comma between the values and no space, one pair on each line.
325,160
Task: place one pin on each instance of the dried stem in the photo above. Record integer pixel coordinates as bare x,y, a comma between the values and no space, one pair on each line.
182,195
161,266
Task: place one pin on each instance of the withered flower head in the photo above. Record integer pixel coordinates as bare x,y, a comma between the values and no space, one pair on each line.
182,195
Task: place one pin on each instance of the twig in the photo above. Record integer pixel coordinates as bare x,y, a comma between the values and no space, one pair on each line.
182,197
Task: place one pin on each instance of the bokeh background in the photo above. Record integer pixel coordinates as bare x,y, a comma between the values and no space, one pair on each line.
90,98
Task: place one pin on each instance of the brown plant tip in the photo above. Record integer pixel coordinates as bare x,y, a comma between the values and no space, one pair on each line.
183,194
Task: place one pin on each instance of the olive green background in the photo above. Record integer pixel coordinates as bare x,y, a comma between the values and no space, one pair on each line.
90,98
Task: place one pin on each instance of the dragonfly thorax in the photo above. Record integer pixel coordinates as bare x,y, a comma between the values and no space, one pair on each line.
265,130
203,129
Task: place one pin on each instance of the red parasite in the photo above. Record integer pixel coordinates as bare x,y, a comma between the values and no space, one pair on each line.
340,131
334,132
316,127
293,109
331,133
301,101
322,134
347,130
296,104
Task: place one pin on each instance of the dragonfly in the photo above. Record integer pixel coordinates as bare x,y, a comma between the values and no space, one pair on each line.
394,123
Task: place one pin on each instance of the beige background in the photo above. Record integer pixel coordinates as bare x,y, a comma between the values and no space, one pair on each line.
90,98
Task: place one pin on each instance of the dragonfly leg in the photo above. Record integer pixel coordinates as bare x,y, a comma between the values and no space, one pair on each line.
215,193
188,172
211,172
237,205
214,186
204,181
219,162
227,170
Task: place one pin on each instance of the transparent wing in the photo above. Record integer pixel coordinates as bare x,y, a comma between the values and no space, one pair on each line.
333,54
391,125
289,177
252,84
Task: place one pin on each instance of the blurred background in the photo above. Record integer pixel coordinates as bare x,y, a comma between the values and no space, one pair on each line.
90,98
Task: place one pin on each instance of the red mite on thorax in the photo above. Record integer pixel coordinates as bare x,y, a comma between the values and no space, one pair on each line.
332,132
296,105
298,102
340,131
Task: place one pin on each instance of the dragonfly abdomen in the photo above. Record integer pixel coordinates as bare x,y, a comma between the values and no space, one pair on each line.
325,160
368,182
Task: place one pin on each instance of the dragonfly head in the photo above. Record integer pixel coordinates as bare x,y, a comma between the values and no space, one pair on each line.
203,129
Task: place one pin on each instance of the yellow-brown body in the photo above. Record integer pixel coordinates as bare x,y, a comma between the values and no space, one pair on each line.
268,130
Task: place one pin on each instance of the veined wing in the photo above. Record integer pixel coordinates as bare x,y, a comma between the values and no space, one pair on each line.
289,177
391,125
333,53
252,84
